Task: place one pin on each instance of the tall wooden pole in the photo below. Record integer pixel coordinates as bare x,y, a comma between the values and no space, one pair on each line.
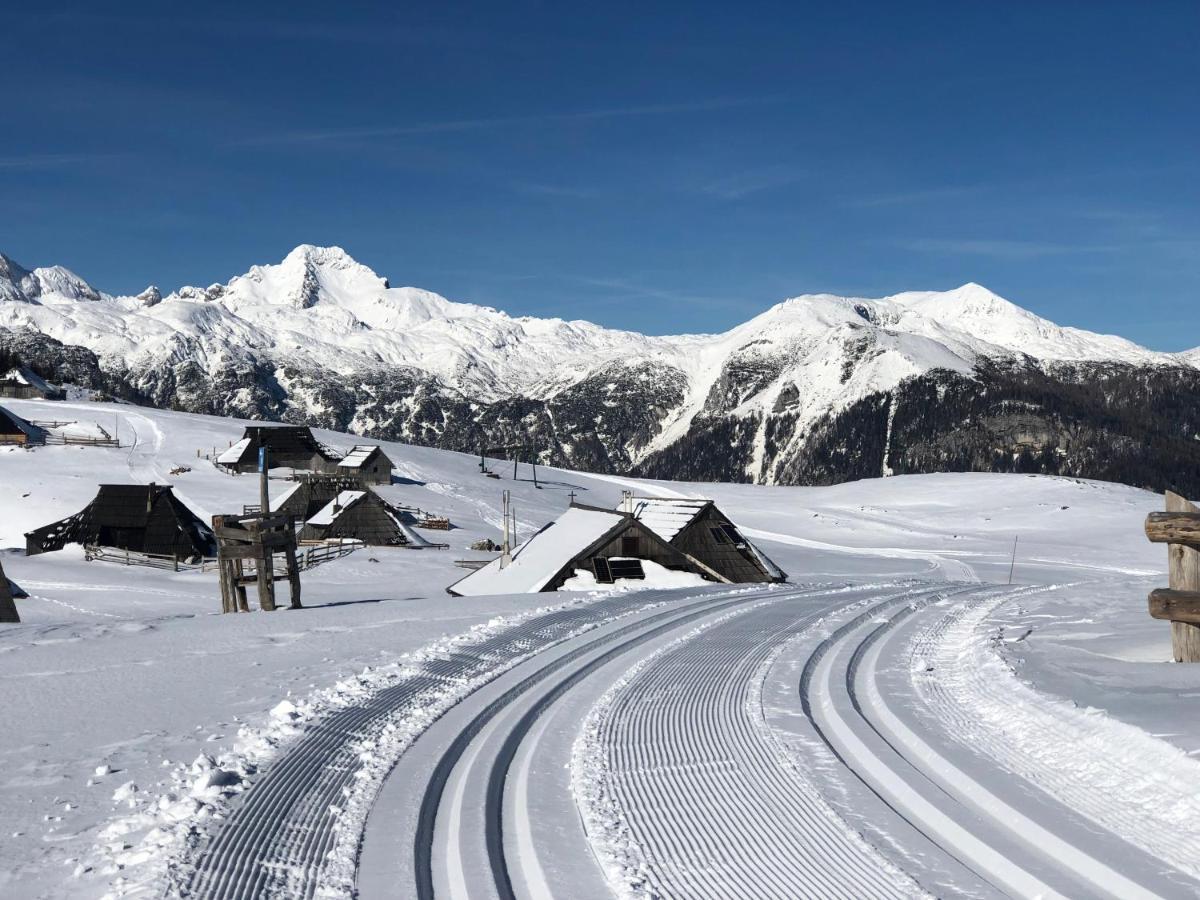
1012,567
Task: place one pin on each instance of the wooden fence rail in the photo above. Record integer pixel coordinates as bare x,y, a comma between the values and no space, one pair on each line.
1179,529
153,560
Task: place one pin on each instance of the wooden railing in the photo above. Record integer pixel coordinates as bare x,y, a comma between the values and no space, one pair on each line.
153,560
1179,529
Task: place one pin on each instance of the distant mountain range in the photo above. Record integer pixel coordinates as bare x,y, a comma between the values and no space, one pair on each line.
818,388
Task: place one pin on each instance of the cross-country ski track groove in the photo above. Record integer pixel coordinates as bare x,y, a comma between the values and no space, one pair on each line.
711,801
1010,831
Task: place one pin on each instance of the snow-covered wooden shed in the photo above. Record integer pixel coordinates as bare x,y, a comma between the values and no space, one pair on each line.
22,383
287,446
15,430
602,544
367,464
700,529
364,516
142,518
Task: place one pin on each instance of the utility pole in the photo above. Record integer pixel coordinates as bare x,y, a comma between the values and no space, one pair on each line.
506,548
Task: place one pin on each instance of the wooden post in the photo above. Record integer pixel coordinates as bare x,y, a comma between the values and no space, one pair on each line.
239,572
266,583
1184,565
293,576
8,606
1179,529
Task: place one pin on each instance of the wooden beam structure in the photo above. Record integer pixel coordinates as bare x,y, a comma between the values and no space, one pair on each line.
1179,529
255,539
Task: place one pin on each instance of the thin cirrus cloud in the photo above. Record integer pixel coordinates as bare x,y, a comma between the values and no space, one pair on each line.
1002,249
752,181
53,160
480,124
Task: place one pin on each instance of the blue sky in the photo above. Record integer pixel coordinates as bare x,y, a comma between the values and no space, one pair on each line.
662,168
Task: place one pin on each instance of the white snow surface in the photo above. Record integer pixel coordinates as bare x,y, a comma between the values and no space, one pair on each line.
134,712
664,516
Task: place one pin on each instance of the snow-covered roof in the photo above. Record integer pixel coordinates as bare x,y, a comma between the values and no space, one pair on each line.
540,558
666,517
25,375
234,453
278,502
357,456
335,507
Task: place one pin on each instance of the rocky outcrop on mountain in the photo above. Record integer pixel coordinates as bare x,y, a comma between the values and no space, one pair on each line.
816,389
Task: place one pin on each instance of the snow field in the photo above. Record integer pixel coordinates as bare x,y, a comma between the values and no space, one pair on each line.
1124,780
130,671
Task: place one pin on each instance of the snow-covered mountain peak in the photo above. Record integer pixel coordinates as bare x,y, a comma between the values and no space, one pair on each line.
28,285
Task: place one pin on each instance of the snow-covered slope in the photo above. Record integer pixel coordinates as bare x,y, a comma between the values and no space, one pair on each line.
320,337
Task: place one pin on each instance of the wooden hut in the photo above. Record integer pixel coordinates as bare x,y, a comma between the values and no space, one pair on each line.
700,529
310,493
610,544
366,463
287,446
8,590
15,430
360,515
22,383
141,518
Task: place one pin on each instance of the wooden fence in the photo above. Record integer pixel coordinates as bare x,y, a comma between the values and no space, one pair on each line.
1179,529
309,555
93,552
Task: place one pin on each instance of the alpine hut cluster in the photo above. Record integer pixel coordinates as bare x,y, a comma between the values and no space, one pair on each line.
296,447
607,545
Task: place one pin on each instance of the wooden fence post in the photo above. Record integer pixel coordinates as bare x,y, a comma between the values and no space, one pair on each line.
1184,564
1179,529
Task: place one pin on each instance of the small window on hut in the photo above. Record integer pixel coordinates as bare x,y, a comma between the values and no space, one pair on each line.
629,546
732,534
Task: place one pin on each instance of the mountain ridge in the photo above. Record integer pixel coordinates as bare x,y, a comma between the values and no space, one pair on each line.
321,338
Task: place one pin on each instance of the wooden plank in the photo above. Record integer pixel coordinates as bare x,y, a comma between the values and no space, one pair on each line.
1174,528
239,551
237,535
1184,565
1175,606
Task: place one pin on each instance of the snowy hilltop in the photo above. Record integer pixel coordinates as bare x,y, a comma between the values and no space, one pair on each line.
812,389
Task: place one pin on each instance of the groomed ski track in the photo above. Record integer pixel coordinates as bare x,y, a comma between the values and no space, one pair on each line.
872,779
